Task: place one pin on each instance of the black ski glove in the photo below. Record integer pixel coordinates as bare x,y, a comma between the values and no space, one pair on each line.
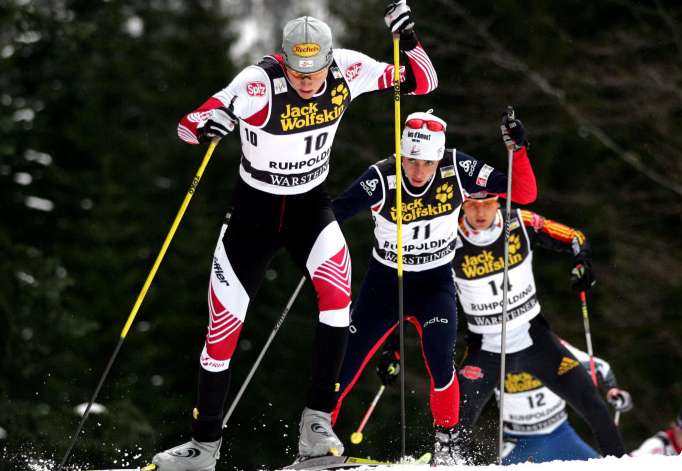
388,367
398,16
513,133
620,399
582,277
219,122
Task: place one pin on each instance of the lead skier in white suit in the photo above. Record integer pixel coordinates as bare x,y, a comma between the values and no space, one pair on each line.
288,108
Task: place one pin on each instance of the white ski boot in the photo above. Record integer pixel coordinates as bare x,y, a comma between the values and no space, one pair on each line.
190,456
317,436
447,449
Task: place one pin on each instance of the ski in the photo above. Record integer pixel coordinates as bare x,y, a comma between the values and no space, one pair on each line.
348,462
316,464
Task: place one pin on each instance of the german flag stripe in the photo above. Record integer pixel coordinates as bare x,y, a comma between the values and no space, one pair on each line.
554,229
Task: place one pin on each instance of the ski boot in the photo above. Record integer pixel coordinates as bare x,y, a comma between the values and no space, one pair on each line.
447,450
317,436
190,456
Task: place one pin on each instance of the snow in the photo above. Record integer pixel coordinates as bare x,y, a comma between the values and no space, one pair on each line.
627,463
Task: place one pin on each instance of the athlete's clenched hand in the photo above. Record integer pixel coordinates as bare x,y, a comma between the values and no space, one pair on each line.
219,122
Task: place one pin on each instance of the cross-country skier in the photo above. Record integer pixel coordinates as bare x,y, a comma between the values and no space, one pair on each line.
433,182
288,108
536,426
531,346
666,442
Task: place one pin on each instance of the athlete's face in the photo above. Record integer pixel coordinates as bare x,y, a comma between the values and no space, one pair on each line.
480,214
419,172
306,85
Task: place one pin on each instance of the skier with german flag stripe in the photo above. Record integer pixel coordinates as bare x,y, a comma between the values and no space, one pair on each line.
531,346
434,181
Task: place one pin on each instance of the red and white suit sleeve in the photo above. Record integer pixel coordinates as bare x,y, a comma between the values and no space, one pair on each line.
249,92
365,74
524,186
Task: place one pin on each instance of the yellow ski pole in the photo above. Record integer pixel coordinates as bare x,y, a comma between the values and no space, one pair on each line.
399,230
143,293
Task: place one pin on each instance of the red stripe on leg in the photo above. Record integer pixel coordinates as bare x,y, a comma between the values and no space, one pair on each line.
332,282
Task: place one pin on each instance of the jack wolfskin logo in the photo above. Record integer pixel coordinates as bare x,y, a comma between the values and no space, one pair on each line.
514,243
567,364
444,192
339,94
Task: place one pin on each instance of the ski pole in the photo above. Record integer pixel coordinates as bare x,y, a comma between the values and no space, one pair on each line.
356,437
278,324
588,337
399,232
616,418
505,290
143,293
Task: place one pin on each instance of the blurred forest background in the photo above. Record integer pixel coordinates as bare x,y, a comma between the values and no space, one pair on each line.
92,174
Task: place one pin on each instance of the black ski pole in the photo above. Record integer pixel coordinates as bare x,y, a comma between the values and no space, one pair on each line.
505,288
256,364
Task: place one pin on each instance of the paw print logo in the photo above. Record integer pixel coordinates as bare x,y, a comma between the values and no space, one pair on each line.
339,94
444,192
514,243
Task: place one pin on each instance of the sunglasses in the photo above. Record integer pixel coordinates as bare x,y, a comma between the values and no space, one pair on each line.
311,75
431,125
486,203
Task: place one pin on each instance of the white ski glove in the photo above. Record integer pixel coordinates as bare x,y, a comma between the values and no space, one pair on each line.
398,16
218,123
620,399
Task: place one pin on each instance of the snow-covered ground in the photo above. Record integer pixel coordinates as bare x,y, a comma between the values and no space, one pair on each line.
640,463
627,463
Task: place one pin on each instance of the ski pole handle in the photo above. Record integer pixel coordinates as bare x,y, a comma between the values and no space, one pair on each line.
510,113
356,437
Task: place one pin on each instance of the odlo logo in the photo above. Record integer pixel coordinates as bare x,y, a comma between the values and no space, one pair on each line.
440,320
444,192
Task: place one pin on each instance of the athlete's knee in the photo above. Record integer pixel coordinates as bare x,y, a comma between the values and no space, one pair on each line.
330,271
228,302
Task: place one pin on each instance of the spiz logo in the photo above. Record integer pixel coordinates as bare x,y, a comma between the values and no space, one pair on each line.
369,186
255,88
468,166
353,71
